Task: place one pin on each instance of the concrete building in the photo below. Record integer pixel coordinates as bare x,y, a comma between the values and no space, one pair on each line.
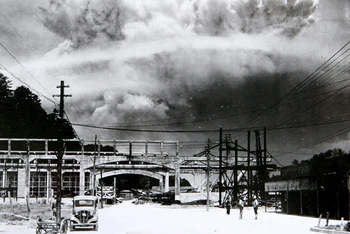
28,167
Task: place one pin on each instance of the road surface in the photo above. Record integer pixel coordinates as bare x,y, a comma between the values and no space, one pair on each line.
127,218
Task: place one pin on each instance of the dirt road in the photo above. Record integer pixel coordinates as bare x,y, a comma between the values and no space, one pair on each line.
127,218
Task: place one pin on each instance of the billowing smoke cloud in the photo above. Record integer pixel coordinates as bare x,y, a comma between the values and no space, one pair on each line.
136,62
84,22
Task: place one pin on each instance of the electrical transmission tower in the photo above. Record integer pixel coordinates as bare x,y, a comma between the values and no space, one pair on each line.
242,170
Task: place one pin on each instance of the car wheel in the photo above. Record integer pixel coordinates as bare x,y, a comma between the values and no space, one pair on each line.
96,228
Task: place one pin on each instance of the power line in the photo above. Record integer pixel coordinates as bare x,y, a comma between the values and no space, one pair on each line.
14,29
143,130
24,68
26,84
304,83
312,123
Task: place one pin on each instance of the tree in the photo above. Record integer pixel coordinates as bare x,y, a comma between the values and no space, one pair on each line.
5,105
295,162
5,87
31,118
59,128
22,115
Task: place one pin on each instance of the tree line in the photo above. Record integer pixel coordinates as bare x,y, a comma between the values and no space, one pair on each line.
22,116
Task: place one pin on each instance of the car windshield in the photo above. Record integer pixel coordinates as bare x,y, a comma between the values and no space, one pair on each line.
84,203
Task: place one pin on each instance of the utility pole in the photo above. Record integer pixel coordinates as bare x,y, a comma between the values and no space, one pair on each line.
220,167
94,170
60,151
208,173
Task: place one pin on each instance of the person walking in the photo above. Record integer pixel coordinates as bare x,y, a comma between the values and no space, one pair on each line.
228,206
255,206
53,205
240,206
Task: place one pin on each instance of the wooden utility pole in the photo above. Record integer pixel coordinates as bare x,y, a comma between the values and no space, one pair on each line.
208,173
101,187
27,179
60,151
220,167
94,170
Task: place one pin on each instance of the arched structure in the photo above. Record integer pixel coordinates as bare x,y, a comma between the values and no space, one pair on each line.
154,175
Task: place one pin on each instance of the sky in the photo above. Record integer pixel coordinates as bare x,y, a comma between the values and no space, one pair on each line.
181,69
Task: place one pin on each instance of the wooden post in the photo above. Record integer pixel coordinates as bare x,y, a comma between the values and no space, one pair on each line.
101,184
115,189
130,152
60,151
208,174
319,220
220,167
177,181
301,202
235,175
338,205
146,149
94,169
27,178
287,202
249,170
59,180
318,202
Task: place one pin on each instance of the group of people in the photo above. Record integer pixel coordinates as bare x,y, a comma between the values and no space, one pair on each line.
240,204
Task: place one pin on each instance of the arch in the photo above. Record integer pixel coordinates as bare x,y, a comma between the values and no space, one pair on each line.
134,172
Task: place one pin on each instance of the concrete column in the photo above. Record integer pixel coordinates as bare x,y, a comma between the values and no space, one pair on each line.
81,180
4,178
161,184
166,189
9,147
91,177
21,188
48,184
177,181
46,147
146,148
27,176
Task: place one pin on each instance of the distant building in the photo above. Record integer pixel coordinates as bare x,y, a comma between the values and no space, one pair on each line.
314,187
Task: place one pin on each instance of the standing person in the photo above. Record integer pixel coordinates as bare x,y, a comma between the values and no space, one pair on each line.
255,206
53,205
147,189
228,206
240,206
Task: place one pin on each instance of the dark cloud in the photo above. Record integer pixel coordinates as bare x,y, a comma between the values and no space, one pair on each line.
192,65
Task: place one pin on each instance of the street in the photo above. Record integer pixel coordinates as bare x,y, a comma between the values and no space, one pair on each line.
127,218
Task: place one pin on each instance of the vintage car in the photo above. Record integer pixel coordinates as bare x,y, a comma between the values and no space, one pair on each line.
84,213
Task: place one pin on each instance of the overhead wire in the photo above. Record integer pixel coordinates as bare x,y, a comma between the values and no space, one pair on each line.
27,85
295,90
14,57
14,29
290,94
322,68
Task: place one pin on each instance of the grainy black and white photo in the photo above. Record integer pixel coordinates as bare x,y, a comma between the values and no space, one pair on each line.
174,116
